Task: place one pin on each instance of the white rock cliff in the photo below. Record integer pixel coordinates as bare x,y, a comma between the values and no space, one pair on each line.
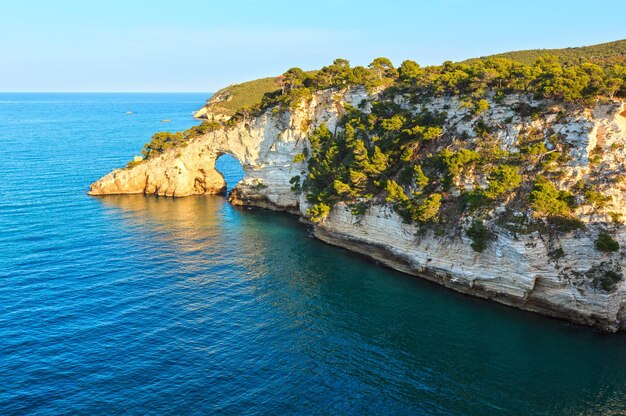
520,270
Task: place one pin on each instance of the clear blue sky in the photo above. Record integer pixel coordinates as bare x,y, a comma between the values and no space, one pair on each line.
180,45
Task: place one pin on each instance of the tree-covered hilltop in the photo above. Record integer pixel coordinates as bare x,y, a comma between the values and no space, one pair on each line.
547,78
604,53
248,95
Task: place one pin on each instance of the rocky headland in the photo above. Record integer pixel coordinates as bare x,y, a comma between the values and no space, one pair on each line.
490,237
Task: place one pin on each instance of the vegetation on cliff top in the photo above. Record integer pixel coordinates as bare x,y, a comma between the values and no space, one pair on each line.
163,141
248,95
547,78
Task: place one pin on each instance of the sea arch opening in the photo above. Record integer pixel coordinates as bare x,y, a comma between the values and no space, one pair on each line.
231,170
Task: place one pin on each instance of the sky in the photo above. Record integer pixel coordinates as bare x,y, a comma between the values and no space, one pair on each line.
203,45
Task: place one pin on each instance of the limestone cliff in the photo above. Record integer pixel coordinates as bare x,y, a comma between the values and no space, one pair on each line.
265,146
551,273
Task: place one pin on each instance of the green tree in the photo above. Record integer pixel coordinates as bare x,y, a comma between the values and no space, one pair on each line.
547,200
336,74
428,210
393,124
383,68
395,193
502,180
163,141
605,243
455,162
342,188
409,71
480,236
481,106
318,212
421,180
291,79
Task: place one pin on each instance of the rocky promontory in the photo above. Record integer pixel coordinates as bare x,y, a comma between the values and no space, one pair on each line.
514,198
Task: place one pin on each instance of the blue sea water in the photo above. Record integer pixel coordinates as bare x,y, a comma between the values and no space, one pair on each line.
140,305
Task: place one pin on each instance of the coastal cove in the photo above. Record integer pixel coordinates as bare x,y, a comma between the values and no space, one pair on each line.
139,304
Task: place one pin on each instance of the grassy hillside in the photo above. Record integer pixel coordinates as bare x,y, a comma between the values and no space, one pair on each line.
237,96
610,52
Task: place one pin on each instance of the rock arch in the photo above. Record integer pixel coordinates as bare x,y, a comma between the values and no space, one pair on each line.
171,174
265,146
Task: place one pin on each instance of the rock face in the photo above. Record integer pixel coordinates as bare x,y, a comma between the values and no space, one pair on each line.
555,275
514,270
166,175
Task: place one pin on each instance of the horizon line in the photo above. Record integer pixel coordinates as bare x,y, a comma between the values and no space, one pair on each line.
106,92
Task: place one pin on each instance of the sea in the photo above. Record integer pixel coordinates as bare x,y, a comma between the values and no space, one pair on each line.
137,305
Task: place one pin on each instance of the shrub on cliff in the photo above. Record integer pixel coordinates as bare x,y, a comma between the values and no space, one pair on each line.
564,224
318,212
480,107
454,163
205,127
395,193
480,236
608,281
296,187
413,210
546,199
605,243
163,141
428,209
595,198
605,275
502,180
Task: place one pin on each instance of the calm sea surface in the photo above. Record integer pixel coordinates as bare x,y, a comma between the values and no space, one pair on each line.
138,305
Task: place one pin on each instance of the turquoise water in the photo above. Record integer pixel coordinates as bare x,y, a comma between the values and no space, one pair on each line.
138,305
